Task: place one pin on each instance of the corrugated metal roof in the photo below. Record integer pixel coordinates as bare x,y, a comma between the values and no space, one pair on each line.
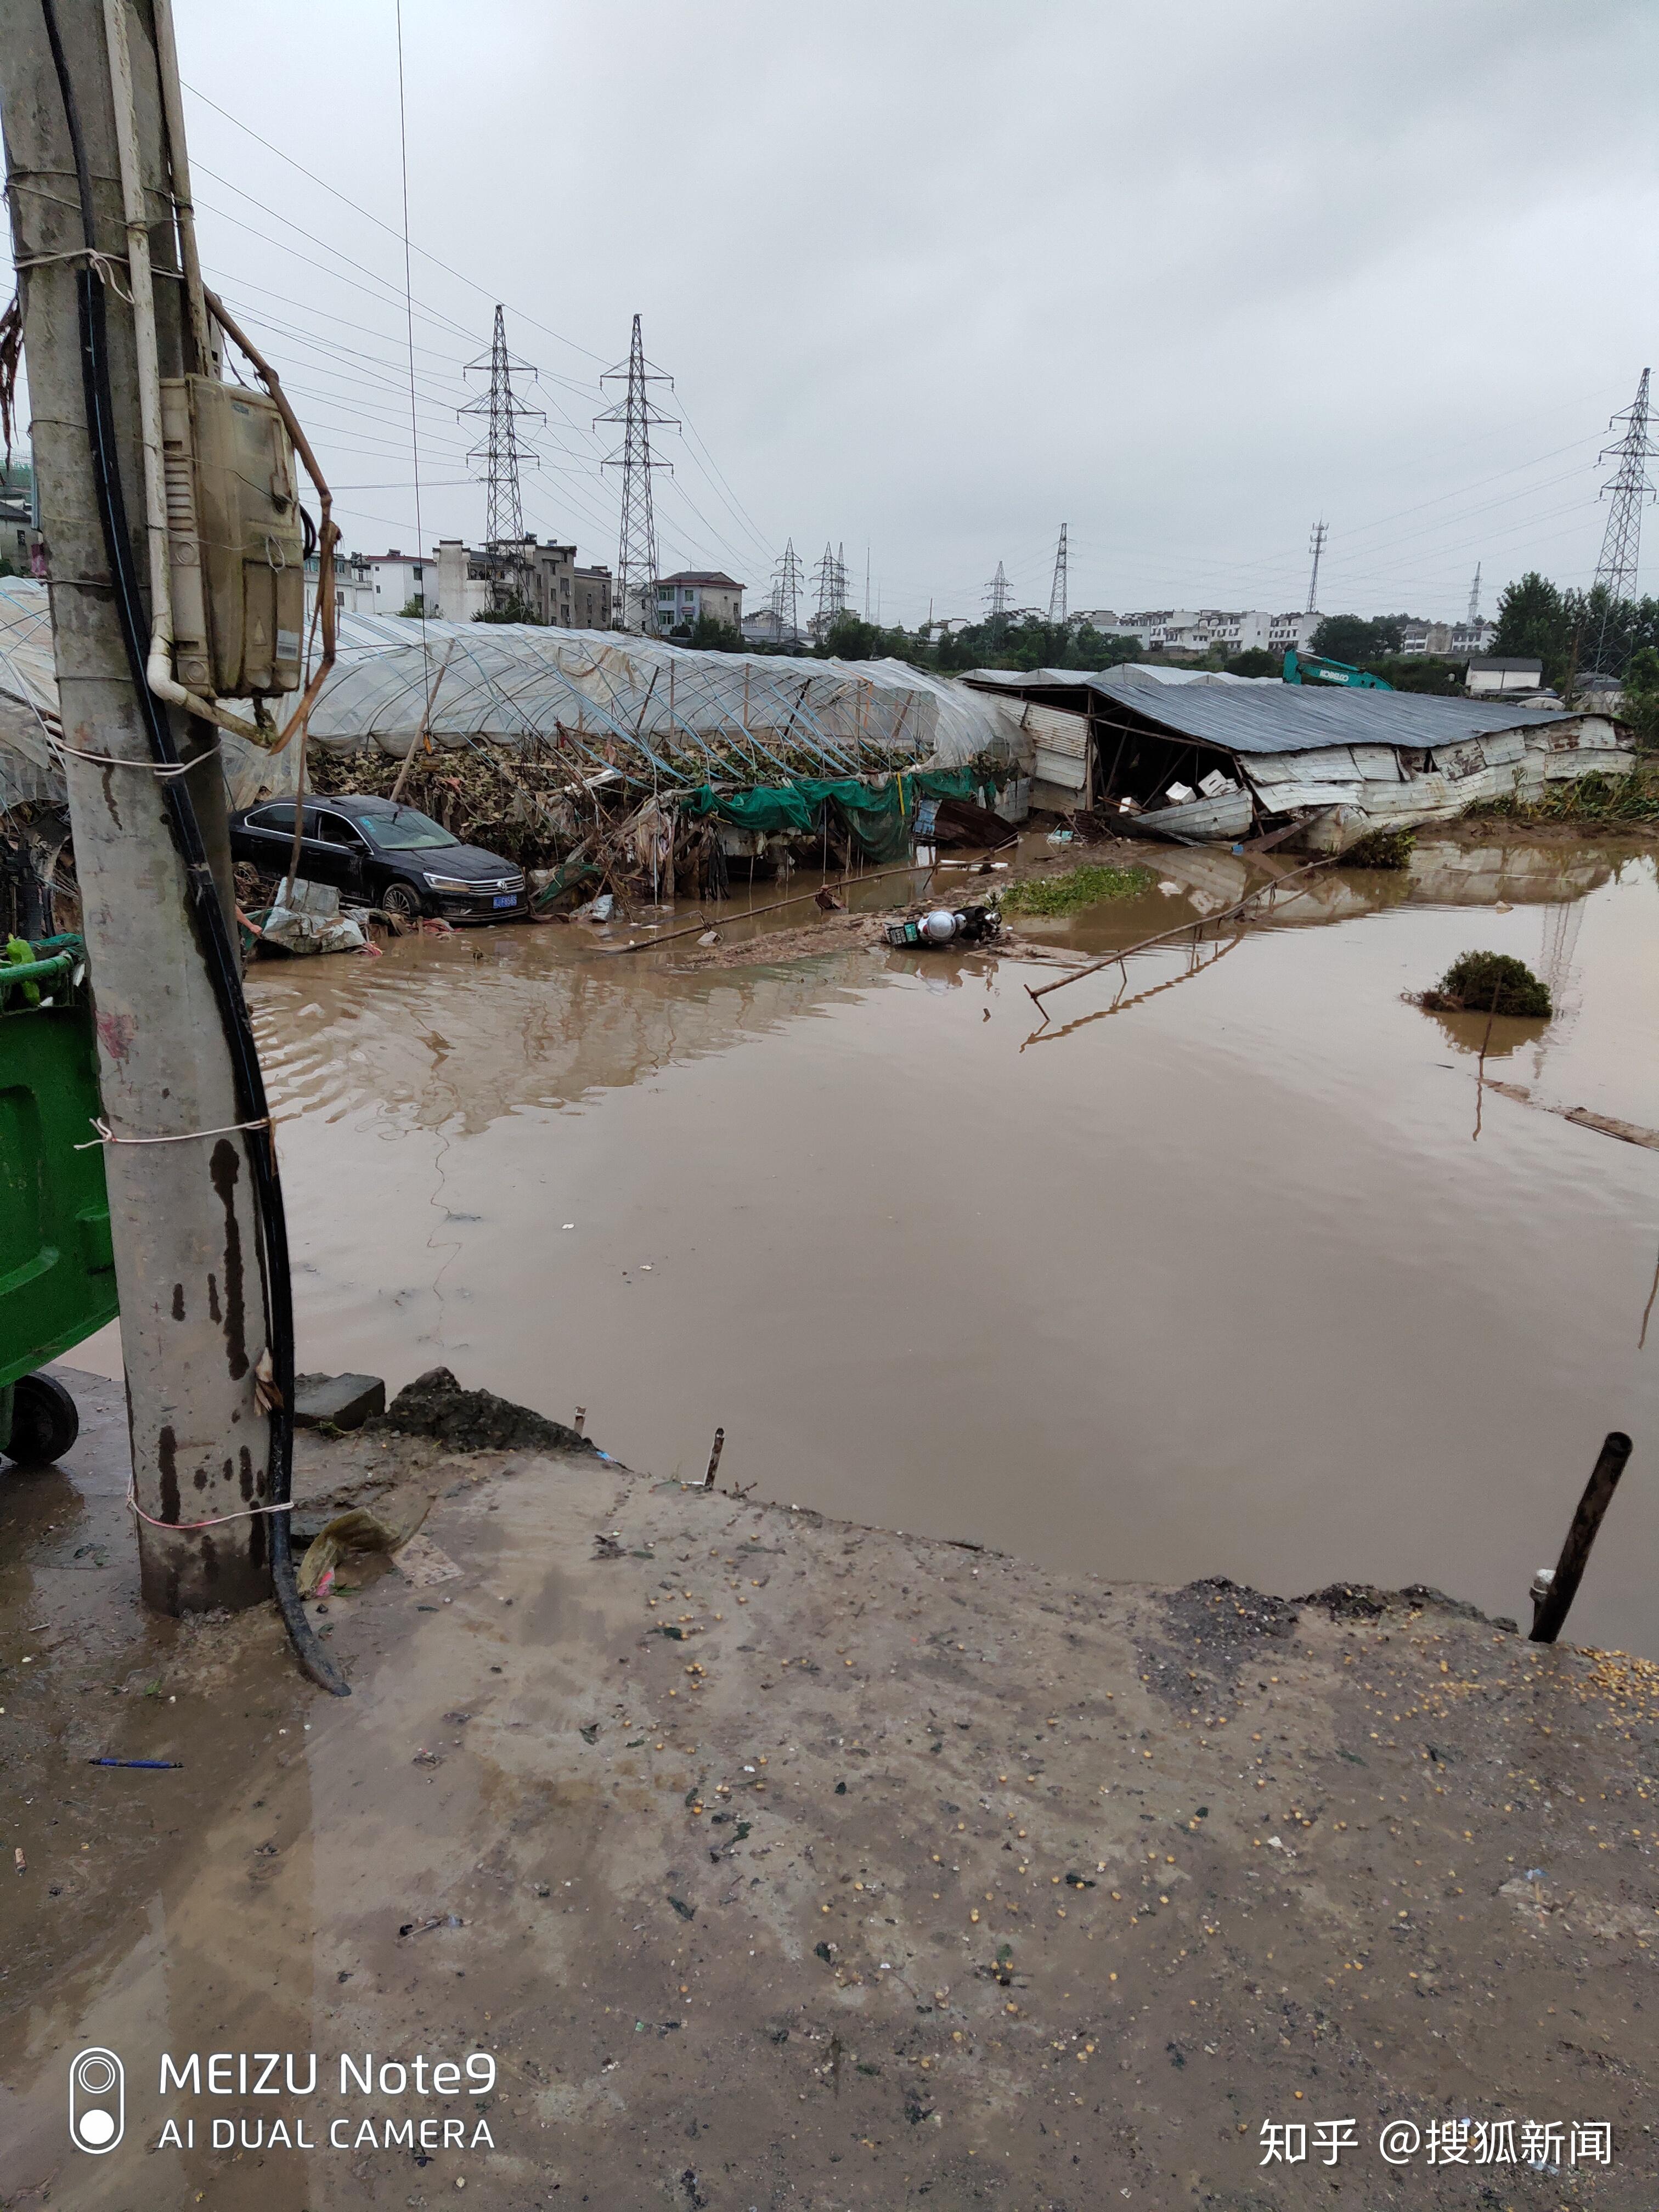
1273,717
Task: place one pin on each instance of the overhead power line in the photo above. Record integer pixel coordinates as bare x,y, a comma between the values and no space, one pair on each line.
358,209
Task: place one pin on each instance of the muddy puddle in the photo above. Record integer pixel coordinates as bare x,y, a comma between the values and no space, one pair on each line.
1228,1266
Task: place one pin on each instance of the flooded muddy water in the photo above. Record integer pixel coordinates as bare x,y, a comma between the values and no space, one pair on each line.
1230,1267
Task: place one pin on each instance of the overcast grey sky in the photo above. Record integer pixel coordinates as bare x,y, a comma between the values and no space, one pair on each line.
936,277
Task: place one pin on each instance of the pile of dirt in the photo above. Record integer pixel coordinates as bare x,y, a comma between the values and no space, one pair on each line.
434,1404
1365,1601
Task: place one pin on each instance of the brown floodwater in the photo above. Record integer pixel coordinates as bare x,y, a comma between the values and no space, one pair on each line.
1225,1269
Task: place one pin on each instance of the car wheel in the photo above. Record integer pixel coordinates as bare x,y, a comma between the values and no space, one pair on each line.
44,1420
402,901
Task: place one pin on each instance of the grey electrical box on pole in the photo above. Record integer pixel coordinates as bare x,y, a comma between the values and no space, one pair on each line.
188,1252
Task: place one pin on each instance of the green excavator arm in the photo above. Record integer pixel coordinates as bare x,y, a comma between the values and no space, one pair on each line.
1314,668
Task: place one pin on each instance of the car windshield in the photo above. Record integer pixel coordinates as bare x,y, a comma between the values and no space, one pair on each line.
404,831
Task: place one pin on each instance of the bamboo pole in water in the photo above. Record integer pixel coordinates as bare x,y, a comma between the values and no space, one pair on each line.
1180,929
644,944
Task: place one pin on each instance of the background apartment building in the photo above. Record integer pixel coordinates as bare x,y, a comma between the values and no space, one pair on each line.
684,599
1457,641
458,584
1180,629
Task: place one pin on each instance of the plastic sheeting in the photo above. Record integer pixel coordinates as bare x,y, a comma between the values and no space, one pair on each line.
654,711
31,766
607,703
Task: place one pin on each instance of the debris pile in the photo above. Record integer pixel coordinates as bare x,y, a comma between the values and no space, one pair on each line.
1381,848
434,1404
1088,885
1489,983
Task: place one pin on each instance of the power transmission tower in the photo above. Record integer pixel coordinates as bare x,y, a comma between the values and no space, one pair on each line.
830,579
1621,548
500,454
635,600
787,584
1475,598
998,594
1057,589
1316,546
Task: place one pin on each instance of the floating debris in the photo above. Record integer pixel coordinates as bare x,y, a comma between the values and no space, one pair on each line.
1489,983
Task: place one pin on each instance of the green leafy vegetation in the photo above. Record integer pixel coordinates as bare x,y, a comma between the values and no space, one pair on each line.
1024,642
1490,983
1539,620
1076,888
1593,797
1420,672
1359,638
1254,662
1640,704
512,610
1381,848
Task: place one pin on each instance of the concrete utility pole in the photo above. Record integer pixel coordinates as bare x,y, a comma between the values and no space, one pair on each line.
188,1258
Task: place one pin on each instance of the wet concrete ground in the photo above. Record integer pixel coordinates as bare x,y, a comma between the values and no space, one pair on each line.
780,1862
1210,1273
682,1808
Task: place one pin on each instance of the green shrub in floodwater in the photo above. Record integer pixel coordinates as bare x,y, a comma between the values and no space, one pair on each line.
1381,848
1489,983
1078,887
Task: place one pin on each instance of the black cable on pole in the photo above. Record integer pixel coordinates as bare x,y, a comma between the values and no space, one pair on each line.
213,934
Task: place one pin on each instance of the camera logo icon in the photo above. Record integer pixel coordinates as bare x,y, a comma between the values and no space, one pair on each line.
97,2100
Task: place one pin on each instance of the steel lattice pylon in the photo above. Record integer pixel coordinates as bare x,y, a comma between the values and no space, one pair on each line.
998,595
502,454
636,599
1621,547
1057,589
786,587
830,577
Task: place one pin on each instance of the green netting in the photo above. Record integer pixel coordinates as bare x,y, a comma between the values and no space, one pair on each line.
876,816
765,810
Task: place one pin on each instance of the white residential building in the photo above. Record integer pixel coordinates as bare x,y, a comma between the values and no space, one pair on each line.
398,578
354,585
1287,633
684,598
1181,629
1488,674
1447,640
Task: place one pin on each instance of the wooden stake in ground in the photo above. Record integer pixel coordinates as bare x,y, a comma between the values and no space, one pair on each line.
182,1213
1554,1590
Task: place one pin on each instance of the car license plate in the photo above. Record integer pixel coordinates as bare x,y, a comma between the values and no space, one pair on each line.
508,898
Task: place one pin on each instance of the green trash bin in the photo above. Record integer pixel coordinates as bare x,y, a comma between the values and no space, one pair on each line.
56,1267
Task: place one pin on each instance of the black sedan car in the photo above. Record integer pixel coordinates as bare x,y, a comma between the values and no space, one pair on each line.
381,854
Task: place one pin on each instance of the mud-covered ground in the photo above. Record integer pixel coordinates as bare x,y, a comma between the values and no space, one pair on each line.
780,1862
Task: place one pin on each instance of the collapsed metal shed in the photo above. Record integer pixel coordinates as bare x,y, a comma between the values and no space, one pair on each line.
1218,760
